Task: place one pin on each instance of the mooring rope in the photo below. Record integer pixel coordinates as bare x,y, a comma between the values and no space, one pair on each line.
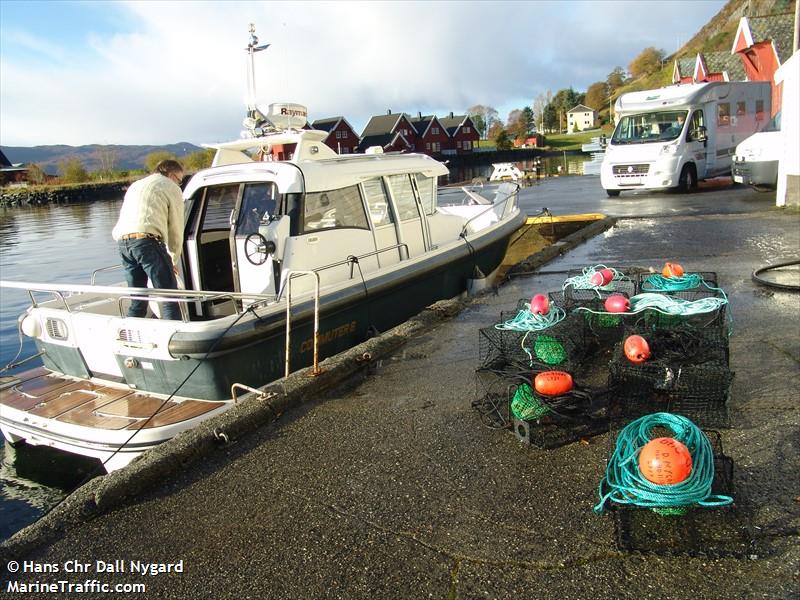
624,484
584,280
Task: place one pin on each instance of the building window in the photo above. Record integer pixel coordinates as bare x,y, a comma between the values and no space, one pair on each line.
344,135
467,145
345,150
759,110
741,109
434,131
427,145
338,135
458,145
466,129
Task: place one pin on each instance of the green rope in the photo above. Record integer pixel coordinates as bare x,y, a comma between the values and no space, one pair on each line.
584,280
624,484
525,406
658,283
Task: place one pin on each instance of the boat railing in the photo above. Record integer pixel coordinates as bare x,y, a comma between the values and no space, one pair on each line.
505,194
66,292
103,270
289,277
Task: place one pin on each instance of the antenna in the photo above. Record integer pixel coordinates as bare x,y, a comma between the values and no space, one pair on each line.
252,48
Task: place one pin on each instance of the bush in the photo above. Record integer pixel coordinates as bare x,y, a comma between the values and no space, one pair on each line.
72,170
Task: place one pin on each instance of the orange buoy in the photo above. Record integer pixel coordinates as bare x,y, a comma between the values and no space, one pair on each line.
602,277
617,304
636,349
540,305
553,383
665,461
672,270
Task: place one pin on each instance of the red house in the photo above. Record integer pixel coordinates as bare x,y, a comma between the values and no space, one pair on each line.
341,136
391,132
763,44
432,137
713,66
462,133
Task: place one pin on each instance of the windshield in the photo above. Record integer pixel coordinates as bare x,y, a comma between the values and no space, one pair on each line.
649,127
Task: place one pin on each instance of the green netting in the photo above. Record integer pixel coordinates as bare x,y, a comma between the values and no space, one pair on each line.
549,350
525,406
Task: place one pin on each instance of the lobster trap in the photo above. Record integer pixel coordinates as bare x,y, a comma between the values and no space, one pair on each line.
699,531
552,422
574,296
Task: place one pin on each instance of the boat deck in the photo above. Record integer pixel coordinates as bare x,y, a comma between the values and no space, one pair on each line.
43,394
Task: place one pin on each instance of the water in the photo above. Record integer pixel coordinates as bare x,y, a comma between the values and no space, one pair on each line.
45,244
570,164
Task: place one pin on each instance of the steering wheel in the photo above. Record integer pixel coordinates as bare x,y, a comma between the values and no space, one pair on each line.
257,249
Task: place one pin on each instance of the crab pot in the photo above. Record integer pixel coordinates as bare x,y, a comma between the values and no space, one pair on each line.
715,319
702,290
604,328
490,400
562,346
704,410
701,531
626,287
553,422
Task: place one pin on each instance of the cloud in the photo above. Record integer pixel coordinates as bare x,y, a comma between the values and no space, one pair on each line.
177,71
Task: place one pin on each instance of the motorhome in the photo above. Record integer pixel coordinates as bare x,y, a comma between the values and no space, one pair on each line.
757,158
675,136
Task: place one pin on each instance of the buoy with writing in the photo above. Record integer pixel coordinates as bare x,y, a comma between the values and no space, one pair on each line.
553,383
672,270
540,304
665,461
636,349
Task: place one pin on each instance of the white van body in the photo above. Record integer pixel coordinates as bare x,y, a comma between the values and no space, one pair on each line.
674,136
758,157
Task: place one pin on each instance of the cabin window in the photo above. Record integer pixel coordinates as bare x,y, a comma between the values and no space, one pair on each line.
404,198
741,109
695,126
258,202
466,129
759,110
723,114
378,202
220,201
333,209
426,186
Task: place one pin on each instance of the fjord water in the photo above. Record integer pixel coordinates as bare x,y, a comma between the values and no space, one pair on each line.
57,243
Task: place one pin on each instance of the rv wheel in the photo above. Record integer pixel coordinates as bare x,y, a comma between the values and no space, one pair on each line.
688,179
613,193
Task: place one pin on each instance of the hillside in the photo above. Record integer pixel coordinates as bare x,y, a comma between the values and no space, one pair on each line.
117,157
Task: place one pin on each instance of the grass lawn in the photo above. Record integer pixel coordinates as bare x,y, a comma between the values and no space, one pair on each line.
572,141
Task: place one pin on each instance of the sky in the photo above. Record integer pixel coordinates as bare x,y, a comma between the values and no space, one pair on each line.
147,72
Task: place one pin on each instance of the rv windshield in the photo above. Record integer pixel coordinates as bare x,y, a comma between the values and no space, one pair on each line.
644,128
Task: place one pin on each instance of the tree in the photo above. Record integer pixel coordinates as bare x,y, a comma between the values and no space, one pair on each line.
503,141
494,130
646,63
539,104
597,95
72,170
198,160
516,127
530,122
152,159
36,174
106,157
486,116
615,80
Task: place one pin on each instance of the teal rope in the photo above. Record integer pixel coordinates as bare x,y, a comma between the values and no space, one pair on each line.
527,321
584,280
668,305
657,283
624,484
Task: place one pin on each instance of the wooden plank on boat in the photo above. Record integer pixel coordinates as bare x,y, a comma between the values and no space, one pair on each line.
30,393
12,380
63,400
92,414
178,412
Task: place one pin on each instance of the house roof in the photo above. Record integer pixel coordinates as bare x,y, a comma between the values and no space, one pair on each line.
686,66
381,124
4,162
581,108
422,123
453,123
326,124
717,62
383,140
778,28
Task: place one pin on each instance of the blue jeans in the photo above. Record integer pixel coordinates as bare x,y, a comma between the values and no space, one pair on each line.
148,259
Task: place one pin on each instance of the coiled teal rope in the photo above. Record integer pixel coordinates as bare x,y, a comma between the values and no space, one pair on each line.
689,281
668,305
624,484
584,280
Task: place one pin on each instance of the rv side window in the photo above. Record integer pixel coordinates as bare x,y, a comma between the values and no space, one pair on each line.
378,202
695,127
426,186
403,195
723,114
258,201
333,209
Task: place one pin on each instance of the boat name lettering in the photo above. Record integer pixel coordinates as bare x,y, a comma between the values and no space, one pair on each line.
329,336
292,112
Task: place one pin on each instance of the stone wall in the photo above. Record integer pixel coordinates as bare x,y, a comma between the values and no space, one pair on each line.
41,195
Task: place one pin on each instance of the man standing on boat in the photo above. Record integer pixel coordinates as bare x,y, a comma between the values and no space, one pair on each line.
149,234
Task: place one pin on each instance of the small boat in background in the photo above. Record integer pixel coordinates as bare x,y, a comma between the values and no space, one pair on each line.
505,172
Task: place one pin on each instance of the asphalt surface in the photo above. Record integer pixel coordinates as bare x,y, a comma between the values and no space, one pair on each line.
392,488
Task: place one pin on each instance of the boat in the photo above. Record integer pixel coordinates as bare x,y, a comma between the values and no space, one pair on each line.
505,172
292,253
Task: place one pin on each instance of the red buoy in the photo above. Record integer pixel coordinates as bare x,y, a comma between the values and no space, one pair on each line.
636,349
672,270
540,305
553,383
617,304
665,461
602,277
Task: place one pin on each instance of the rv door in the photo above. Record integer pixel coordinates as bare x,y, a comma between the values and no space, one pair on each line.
697,143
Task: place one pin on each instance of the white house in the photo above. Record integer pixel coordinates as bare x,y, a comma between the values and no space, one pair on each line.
581,117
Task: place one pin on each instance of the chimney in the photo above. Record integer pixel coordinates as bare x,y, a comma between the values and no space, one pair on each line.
451,114
388,112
